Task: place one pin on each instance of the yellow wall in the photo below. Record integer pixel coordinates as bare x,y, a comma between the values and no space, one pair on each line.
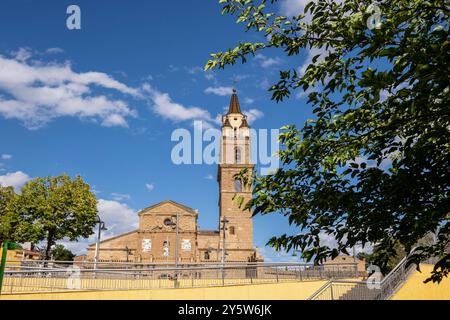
415,289
281,291
10,254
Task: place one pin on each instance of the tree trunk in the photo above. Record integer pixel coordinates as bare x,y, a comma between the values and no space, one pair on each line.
48,248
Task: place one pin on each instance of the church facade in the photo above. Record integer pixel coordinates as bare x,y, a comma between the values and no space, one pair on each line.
158,240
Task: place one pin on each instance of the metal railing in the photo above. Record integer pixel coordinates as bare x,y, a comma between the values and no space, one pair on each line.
365,290
58,277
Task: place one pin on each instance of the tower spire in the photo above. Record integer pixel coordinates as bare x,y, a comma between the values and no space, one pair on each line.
234,103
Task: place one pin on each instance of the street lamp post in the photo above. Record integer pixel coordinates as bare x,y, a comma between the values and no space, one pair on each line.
224,229
300,262
177,234
101,227
169,222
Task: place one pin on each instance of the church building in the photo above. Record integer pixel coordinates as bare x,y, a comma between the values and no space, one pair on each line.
158,240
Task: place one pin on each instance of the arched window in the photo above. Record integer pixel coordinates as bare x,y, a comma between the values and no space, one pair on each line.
238,185
237,155
206,256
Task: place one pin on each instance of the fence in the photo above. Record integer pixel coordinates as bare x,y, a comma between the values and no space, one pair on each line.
365,290
60,276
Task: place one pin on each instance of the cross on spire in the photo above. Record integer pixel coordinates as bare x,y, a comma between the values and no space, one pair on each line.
234,85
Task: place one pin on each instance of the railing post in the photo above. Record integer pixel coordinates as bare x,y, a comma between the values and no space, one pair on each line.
331,290
3,264
276,268
223,276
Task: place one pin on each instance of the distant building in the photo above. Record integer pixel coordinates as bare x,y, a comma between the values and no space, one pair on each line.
344,261
15,256
79,260
155,239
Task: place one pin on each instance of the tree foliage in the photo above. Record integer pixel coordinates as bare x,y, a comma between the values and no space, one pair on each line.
60,253
7,218
58,208
372,166
12,227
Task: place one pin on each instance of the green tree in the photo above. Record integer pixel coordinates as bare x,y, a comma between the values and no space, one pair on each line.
60,253
7,217
59,207
12,227
372,166
384,259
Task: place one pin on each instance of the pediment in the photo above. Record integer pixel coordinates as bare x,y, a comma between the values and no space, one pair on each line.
168,207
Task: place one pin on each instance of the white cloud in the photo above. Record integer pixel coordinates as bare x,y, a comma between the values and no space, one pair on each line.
120,196
54,50
384,165
210,76
267,62
292,8
248,100
311,53
194,70
118,218
330,241
263,84
150,186
14,179
95,191
271,255
220,91
173,68
22,54
209,177
295,7
166,108
115,120
6,156
78,247
240,77
38,92
253,115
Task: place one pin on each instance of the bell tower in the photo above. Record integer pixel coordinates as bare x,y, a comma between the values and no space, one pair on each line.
237,237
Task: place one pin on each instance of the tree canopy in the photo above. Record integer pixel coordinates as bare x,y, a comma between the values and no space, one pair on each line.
372,165
58,208
7,217
12,227
60,253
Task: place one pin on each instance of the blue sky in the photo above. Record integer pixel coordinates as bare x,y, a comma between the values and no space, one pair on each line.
103,101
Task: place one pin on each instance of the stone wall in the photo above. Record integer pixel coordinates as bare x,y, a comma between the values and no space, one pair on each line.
157,233
114,249
207,240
